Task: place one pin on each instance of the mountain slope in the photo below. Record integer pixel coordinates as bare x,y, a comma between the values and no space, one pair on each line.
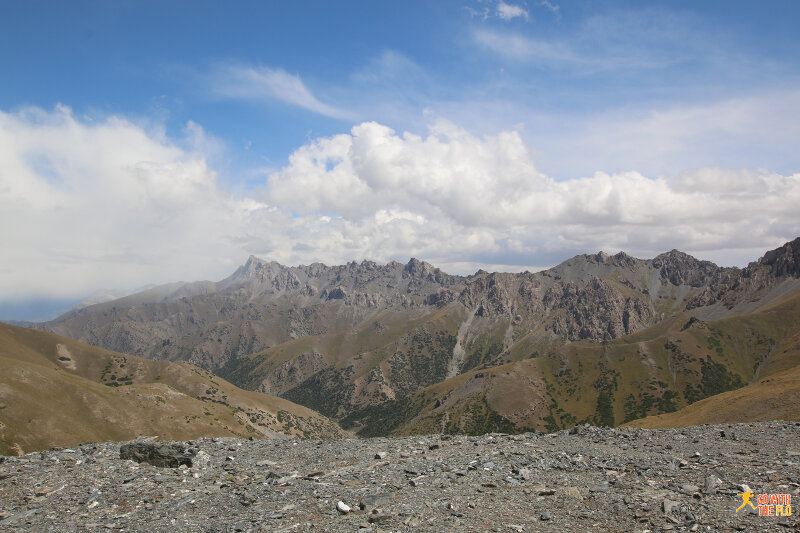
264,304
600,338
773,398
774,393
58,392
661,369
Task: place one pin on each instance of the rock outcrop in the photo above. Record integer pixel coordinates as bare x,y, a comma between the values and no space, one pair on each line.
737,286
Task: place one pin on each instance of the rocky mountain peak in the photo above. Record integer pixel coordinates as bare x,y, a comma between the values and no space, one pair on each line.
783,261
675,257
594,296
262,275
252,267
623,259
418,268
620,259
680,268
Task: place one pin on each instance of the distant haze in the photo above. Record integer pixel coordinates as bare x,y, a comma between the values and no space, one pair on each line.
34,310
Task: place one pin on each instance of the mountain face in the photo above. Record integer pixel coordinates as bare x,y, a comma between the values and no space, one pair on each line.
264,304
58,392
378,346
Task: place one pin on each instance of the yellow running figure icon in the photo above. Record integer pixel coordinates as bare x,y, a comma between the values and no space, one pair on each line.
746,500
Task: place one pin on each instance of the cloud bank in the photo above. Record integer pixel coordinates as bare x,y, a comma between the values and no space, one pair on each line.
111,203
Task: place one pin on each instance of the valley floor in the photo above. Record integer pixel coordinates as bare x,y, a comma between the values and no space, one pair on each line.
585,479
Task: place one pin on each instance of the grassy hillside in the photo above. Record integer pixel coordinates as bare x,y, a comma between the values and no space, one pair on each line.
773,398
677,363
58,392
774,393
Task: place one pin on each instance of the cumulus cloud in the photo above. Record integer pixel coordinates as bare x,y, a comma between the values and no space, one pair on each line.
90,204
510,11
489,191
258,84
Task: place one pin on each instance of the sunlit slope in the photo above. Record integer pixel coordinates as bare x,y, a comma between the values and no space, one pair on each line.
58,392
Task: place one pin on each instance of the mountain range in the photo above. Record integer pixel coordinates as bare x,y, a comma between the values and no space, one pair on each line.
407,348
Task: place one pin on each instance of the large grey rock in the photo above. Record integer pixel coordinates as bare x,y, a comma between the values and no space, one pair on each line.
157,454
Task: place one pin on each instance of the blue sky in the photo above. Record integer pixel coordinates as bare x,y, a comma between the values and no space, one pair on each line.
393,62
492,134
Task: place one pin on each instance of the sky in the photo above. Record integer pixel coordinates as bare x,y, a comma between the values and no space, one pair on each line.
150,142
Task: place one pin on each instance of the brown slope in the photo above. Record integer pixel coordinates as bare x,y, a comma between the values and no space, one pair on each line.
58,392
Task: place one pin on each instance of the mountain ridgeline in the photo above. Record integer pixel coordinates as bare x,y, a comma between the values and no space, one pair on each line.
406,348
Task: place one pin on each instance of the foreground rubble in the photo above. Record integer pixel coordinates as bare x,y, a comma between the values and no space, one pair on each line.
584,479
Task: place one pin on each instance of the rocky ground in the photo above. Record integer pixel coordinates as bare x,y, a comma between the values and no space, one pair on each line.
584,479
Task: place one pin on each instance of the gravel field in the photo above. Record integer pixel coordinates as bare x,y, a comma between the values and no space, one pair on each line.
584,479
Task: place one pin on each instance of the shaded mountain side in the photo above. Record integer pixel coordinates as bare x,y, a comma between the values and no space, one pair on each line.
58,392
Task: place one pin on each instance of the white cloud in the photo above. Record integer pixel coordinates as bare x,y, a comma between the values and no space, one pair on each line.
754,130
522,48
259,84
484,197
85,205
757,130
510,11
390,67
555,8
649,39
483,14
578,56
